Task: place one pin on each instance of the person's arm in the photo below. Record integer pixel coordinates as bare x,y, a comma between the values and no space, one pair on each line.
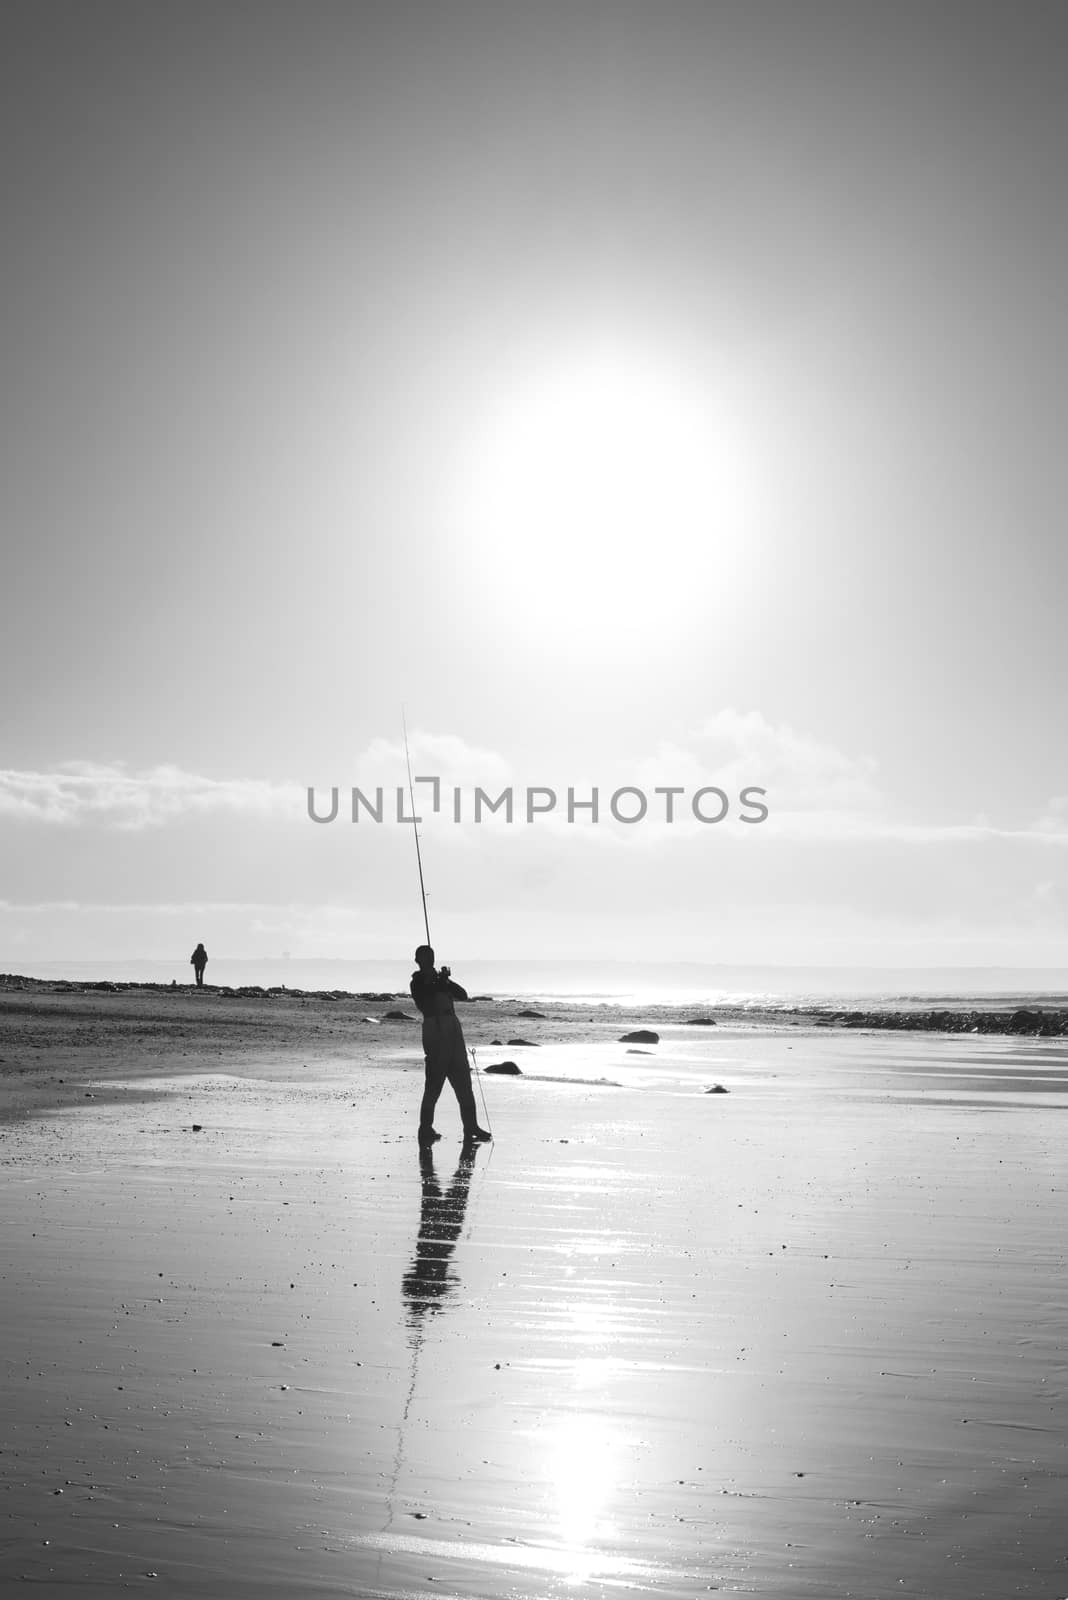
450,987
418,987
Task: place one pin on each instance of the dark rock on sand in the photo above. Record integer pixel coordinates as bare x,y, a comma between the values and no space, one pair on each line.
507,1068
535,1016
397,1016
527,1044
639,1052
700,1022
717,1088
640,1036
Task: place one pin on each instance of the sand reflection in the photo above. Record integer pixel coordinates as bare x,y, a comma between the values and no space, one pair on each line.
431,1280
583,1467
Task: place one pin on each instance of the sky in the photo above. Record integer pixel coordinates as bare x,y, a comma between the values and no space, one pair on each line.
638,396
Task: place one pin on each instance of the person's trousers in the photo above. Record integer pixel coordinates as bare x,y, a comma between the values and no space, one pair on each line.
446,1061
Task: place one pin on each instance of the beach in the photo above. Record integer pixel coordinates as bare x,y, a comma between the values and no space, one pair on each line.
804,1337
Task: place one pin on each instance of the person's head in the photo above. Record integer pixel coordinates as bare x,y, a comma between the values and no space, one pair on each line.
424,957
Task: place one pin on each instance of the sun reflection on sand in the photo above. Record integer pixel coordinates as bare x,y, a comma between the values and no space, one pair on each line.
582,1466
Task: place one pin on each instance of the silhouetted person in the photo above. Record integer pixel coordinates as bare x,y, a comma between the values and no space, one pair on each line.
443,1047
199,960
430,1278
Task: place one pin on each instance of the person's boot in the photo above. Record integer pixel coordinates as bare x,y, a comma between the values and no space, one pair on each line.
428,1135
476,1134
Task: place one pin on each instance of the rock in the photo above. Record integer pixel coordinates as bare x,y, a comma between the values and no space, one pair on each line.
640,1036
507,1068
717,1088
526,1043
534,1016
700,1022
397,1016
639,1052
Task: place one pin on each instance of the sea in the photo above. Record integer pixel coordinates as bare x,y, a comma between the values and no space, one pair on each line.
619,983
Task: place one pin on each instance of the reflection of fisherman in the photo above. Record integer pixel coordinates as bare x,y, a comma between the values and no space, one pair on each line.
443,1046
430,1280
198,961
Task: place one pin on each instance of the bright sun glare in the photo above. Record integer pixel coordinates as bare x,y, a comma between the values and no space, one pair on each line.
602,481
583,1467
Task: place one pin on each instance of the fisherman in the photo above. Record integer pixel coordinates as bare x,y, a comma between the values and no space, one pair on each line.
198,961
443,1047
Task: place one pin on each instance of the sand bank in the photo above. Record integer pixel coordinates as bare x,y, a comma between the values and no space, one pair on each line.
801,1339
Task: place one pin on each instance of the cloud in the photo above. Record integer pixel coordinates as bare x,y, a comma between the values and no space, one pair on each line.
1054,819
814,792
444,756
183,908
803,773
850,827
77,792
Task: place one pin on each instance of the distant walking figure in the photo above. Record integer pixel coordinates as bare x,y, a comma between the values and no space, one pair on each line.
443,1047
198,961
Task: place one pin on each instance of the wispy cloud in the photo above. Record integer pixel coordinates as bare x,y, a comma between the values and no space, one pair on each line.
851,827
76,792
803,773
1054,819
445,756
183,908
814,792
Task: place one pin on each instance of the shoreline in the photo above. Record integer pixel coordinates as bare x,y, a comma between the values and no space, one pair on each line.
1039,1021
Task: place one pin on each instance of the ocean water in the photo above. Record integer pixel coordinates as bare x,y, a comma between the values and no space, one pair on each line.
591,984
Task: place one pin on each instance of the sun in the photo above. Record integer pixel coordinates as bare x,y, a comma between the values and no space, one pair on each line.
602,481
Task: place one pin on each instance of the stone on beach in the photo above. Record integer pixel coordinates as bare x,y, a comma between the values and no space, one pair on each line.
640,1036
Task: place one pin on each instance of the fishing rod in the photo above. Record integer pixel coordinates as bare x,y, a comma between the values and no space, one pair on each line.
482,1095
415,825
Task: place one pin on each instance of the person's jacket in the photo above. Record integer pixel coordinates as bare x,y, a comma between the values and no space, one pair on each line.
426,986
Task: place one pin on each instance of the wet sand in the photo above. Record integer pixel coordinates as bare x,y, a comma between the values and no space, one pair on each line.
805,1338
